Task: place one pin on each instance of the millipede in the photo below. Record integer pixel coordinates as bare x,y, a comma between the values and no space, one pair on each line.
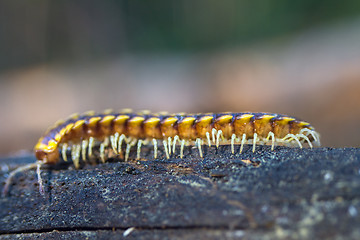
120,132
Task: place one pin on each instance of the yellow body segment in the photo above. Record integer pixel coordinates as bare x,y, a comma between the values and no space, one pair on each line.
119,123
68,128
223,123
185,128
77,130
203,125
244,125
93,122
105,125
92,126
297,126
151,129
281,127
167,127
134,127
263,125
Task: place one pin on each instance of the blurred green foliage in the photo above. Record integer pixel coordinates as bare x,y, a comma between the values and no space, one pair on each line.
207,24
47,31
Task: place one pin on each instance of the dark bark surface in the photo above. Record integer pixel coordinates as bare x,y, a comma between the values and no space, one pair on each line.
283,194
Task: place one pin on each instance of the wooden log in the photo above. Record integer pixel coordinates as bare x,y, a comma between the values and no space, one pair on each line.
281,194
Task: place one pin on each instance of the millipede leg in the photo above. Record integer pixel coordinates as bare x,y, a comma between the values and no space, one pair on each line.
40,182
314,134
317,142
13,173
169,143
138,149
174,143
291,137
91,145
128,147
300,135
78,150
108,111
208,138
213,133
182,148
121,139
219,133
166,149
114,141
103,145
63,151
89,113
254,142
75,154
198,143
132,143
271,134
155,147
233,137
84,145
243,140
102,152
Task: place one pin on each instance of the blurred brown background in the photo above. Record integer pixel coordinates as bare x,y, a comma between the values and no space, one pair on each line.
299,57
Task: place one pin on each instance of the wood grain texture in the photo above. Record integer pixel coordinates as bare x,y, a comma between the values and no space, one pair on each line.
281,194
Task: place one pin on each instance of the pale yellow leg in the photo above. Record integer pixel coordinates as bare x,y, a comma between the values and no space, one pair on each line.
155,147
40,182
174,143
121,139
271,134
169,144
219,133
300,135
213,133
74,116
84,145
182,148
233,137
75,154
108,111
103,145
138,149
166,149
63,151
313,133
102,153
254,142
114,141
144,112
208,138
317,142
291,137
128,147
198,143
243,141
91,145
126,110
127,151
89,113
21,169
